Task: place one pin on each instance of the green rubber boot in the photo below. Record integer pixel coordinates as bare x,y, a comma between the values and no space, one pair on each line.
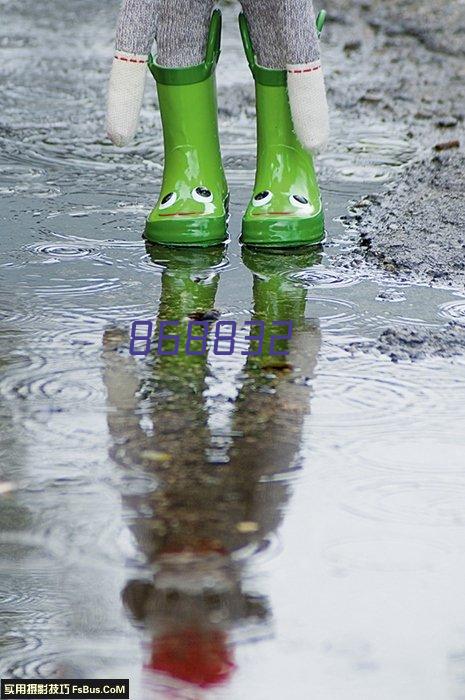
286,208
192,207
189,284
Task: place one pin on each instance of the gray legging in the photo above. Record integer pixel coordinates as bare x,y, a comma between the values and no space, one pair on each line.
283,31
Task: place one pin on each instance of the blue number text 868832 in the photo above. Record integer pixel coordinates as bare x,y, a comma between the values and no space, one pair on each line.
221,337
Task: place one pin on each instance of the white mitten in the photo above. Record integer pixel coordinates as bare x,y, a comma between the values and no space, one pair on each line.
134,38
309,107
125,94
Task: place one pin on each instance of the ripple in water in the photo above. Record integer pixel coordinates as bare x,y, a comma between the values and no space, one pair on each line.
370,154
411,454
94,243
16,593
381,554
63,388
62,252
453,310
12,643
319,276
72,662
79,287
17,311
333,312
370,395
427,502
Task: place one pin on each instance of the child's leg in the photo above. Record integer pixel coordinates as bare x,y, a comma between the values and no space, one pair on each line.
263,17
182,29
282,31
136,27
192,205
298,25
284,36
182,32
305,81
134,39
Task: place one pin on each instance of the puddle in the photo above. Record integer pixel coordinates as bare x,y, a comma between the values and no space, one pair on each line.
283,516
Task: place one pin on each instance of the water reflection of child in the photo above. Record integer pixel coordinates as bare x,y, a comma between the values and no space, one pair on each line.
216,497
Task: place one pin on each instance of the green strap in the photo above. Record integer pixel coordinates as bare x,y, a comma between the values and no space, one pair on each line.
320,21
193,74
268,76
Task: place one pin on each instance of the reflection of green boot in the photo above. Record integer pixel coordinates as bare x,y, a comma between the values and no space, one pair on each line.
192,207
189,281
189,284
278,295
286,209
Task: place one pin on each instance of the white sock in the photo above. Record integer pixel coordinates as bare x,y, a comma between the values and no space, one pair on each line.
125,94
307,96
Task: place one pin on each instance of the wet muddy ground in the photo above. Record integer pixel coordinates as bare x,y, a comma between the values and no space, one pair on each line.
320,498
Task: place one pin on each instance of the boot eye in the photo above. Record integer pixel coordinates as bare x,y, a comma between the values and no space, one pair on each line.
202,194
262,198
298,200
168,200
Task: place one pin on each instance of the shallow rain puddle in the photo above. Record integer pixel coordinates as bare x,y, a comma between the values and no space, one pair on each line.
323,495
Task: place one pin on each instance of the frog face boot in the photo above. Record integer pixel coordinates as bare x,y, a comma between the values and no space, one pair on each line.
286,207
193,202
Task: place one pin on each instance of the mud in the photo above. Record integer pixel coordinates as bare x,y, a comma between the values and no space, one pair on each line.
404,67
418,343
418,227
402,61
401,65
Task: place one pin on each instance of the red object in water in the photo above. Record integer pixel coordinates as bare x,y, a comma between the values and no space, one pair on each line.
200,657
